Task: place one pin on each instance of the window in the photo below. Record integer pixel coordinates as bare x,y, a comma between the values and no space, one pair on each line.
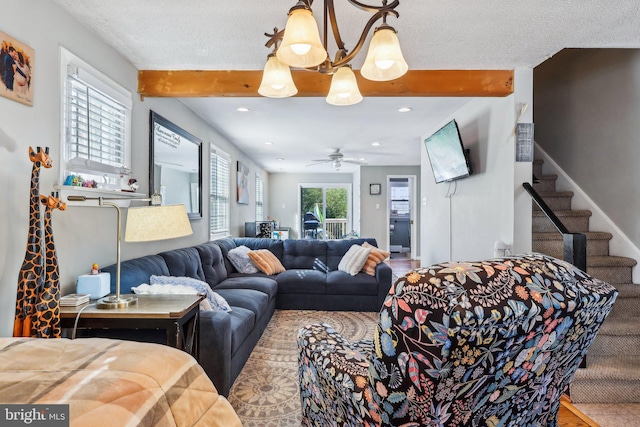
219,199
400,200
259,199
96,125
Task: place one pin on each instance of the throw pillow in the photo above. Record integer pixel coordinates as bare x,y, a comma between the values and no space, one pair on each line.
218,303
240,259
376,256
266,261
353,261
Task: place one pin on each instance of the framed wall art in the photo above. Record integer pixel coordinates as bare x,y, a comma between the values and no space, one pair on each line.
16,62
243,184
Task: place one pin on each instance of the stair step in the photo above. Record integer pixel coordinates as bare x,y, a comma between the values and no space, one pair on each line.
556,200
611,269
607,379
546,183
552,243
537,167
628,302
576,221
617,336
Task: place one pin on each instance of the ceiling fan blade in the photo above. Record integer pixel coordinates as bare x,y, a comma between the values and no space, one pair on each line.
318,162
354,161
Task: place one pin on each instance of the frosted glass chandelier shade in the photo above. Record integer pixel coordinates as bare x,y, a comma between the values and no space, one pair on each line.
344,88
384,60
276,80
301,45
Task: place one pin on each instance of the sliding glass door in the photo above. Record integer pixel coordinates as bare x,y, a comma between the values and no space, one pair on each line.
325,211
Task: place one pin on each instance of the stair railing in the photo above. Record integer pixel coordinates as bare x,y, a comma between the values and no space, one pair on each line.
575,244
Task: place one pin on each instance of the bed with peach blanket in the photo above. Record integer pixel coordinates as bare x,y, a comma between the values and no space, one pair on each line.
112,382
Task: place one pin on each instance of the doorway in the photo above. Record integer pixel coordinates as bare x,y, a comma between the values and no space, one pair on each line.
325,211
401,216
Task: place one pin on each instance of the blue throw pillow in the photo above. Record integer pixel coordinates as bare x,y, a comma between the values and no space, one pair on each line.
239,257
218,303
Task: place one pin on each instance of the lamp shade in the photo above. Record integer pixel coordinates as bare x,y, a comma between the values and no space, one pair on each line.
344,88
384,59
149,223
301,45
276,80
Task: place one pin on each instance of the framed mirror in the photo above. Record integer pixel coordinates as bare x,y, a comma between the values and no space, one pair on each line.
175,165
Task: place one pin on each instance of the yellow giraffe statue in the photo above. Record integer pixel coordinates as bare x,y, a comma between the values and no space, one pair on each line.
48,309
31,275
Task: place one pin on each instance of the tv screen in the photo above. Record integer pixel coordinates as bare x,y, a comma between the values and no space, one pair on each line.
448,157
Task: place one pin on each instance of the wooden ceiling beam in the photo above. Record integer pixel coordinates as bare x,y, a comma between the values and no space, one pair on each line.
233,83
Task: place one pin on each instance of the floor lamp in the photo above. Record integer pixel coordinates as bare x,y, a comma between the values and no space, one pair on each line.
144,224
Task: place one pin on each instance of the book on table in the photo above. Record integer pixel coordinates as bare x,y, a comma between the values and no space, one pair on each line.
74,299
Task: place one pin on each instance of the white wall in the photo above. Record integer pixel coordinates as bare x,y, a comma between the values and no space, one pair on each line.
284,198
82,235
484,208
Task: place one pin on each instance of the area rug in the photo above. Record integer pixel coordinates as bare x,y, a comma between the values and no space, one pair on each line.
266,393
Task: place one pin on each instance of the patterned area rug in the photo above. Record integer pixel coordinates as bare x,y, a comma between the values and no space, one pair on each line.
266,393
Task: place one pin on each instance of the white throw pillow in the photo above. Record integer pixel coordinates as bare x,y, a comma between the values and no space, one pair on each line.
218,303
239,257
355,258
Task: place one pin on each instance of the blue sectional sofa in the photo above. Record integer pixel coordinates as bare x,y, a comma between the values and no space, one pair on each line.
311,281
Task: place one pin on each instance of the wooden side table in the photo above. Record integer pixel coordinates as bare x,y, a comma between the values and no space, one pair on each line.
178,315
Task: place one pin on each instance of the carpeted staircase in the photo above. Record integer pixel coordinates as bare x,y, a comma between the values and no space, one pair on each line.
612,374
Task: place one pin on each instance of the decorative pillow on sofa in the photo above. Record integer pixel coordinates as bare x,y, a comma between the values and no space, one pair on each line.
266,261
353,261
218,303
146,289
376,256
240,259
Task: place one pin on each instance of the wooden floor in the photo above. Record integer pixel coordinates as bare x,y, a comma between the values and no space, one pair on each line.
568,416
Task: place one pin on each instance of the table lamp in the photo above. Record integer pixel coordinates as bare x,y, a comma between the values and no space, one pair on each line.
144,224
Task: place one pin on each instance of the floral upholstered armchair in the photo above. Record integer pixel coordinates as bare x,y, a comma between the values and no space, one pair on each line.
489,343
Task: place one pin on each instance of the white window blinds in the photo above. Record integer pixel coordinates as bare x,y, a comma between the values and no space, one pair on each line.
259,199
219,198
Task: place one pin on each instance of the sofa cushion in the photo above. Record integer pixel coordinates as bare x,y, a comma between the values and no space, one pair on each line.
212,263
217,302
225,245
254,243
239,257
337,248
184,262
302,281
263,284
355,258
242,322
136,271
266,261
376,256
341,283
255,301
301,254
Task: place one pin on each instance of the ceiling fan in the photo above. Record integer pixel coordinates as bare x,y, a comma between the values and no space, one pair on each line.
337,159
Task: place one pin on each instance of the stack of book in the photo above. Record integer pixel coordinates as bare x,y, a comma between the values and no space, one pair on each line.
73,300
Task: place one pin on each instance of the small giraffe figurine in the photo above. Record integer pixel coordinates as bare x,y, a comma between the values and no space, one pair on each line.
48,309
31,275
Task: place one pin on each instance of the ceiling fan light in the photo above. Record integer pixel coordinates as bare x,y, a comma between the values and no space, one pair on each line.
384,60
276,80
301,45
344,88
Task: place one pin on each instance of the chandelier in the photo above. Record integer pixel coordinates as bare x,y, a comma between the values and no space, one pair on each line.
299,46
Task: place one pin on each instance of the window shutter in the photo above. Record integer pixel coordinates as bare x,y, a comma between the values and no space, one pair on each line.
259,199
219,199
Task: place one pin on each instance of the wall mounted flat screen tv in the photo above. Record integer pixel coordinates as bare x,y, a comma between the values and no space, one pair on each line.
449,159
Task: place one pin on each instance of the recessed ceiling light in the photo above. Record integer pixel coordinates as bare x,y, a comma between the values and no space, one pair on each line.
362,159
242,109
280,158
404,109
375,144
268,143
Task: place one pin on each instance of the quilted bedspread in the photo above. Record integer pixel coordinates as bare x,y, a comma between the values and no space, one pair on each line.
112,383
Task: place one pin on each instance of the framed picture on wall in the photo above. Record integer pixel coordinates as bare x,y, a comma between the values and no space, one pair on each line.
16,62
375,189
243,184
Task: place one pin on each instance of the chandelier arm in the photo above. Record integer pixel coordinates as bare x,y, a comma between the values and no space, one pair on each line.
370,8
275,38
376,17
330,12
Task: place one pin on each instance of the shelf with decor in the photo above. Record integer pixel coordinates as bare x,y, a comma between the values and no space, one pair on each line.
73,190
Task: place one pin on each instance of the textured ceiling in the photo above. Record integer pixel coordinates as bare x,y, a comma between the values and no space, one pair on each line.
455,34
